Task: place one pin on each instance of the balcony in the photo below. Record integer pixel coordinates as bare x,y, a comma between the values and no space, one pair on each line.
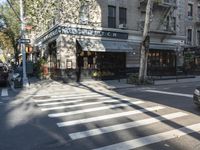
161,3
164,29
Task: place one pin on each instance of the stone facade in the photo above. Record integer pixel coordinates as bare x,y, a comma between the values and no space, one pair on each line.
94,15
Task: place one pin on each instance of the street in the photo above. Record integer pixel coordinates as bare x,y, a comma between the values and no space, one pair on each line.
56,116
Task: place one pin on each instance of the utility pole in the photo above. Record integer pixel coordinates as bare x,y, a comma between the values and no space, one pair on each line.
22,45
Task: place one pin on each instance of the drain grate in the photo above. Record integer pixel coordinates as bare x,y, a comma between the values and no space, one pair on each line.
41,97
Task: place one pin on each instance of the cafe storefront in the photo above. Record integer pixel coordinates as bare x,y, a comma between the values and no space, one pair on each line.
74,52
162,60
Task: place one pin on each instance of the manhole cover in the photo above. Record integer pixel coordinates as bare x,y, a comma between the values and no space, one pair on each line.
41,97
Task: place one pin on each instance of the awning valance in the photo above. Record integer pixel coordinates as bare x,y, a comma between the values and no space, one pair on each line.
106,45
158,46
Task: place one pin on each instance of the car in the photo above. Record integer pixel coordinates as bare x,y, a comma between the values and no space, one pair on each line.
196,96
3,74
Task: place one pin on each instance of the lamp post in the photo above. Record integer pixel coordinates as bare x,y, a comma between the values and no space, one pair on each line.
22,45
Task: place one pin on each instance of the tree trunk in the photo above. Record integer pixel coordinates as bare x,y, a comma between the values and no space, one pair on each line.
144,49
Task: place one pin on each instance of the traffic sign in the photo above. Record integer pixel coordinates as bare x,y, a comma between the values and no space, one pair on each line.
25,41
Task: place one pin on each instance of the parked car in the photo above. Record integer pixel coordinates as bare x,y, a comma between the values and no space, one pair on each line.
196,96
3,74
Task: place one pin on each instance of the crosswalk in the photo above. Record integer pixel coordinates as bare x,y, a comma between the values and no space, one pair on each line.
110,113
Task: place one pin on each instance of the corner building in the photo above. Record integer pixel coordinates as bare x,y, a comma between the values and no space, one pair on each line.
101,38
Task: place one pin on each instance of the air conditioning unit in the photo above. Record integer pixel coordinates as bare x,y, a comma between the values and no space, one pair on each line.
122,26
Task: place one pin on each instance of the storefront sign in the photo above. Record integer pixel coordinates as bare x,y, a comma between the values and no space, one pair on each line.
82,31
48,35
92,32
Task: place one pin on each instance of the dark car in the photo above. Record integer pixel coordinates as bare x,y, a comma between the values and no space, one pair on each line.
3,74
196,96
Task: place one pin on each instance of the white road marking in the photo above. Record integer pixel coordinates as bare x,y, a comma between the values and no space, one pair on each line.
170,93
93,109
76,95
69,102
83,104
143,141
4,92
66,98
83,134
105,117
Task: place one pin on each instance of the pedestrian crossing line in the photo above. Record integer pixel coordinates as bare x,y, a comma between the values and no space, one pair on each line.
4,92
93,132
110,116
86,104
66,98
143,141
67,95
170,93
93,109
78,105
69,102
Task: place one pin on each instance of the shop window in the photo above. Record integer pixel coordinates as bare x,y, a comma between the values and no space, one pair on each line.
58,64
111,17
90,60
85,62
69,64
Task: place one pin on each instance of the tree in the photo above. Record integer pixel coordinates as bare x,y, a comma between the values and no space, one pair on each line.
9,28
144,49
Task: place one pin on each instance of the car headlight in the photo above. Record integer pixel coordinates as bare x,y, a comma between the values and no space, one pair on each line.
196,92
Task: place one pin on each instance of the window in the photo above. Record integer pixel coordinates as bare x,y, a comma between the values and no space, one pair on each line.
122,16
173,23
111,16
189,36
198,15
84,13
167,24
190,10
198,37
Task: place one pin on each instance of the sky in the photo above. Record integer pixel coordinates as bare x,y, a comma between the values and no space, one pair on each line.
1,1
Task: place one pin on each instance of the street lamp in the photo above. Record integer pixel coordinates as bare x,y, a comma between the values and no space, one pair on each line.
22,46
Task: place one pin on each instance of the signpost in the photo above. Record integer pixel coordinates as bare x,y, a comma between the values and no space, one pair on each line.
22,45
24,41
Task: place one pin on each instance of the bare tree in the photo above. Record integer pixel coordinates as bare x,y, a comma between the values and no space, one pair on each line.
144,49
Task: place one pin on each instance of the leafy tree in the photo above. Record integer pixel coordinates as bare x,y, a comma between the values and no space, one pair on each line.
9,28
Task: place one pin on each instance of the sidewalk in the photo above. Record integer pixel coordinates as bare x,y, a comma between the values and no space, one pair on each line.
178,80
122,84
110,84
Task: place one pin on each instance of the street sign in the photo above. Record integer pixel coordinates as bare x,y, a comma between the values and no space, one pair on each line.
25,41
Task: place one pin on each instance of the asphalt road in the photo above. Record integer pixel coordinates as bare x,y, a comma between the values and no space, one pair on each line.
54,116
